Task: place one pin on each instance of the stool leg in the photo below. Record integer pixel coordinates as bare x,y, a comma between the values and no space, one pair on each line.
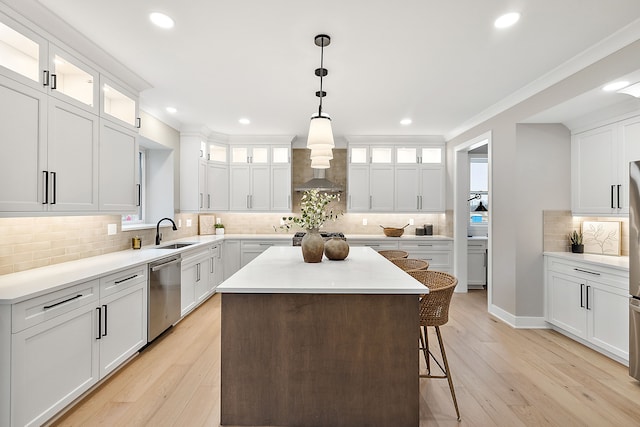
424,342
447,373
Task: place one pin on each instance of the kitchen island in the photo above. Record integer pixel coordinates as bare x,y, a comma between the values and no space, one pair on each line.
333,343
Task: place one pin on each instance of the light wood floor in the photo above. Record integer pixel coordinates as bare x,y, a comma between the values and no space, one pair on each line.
503,377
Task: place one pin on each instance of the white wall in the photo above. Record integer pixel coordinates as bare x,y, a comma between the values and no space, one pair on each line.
512,256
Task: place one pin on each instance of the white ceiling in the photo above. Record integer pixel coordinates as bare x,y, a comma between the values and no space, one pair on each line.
441,63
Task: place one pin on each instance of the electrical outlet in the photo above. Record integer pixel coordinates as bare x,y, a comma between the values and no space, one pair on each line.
112,229
410,221
188,223
179,223
364,221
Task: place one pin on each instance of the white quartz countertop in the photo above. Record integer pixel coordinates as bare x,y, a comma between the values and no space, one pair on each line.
355,237
281,269
619,262
16,287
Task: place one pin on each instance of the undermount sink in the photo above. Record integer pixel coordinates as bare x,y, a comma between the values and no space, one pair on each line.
176,245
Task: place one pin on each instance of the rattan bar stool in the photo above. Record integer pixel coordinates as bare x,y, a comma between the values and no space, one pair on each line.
390,254
434,311
408,264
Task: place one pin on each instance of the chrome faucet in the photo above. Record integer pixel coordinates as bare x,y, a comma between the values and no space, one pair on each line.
158,235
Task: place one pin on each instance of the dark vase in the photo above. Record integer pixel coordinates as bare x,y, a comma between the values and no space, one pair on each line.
312,246
336,249
577,249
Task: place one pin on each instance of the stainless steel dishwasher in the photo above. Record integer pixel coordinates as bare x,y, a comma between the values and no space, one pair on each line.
164,295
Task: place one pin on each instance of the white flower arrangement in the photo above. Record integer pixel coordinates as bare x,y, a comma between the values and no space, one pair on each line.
315,211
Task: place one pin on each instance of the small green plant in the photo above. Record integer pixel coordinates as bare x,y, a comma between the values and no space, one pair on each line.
219,226
575,237
315,209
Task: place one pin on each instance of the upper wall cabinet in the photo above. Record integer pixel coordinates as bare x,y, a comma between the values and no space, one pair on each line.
600,167
23,53
70,80
118,104
396,176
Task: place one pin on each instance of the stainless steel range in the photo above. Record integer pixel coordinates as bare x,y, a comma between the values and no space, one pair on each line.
297,238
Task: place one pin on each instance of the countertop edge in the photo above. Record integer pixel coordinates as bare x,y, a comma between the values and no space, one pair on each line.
617,262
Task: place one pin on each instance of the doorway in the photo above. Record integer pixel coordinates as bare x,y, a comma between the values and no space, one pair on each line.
467,221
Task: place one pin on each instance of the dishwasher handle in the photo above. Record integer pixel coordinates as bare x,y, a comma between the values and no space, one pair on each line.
157,267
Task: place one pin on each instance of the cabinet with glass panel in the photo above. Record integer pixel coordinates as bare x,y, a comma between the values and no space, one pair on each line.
419,178
370,178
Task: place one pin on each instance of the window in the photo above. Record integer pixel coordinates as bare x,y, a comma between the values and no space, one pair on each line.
478,190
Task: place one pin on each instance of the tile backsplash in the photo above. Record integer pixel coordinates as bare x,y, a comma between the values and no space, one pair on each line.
39,241
558,225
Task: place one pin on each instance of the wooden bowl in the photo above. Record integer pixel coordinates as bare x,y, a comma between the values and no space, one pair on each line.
393,231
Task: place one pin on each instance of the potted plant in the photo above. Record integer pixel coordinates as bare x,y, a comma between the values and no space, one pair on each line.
576,242
219,228
315,211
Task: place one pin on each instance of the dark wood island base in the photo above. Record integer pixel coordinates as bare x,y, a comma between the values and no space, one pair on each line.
319,360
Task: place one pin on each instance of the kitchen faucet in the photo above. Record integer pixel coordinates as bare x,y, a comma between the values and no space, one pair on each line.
158,235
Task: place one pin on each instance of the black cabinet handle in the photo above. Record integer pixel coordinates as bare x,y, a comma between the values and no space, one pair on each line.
54,186
124,280
588,308
138,122
105,321
582,295
619,207
99,323
586,271
54,81
45,187
612,206
46,307
45,78
139,194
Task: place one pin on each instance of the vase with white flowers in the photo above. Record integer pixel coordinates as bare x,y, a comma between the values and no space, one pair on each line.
315,210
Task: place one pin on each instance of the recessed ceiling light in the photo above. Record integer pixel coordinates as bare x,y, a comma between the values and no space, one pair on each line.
507,20
172,110
161,20
613,86
244,121
405,122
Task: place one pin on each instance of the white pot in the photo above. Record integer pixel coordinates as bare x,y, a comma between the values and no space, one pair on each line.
219,230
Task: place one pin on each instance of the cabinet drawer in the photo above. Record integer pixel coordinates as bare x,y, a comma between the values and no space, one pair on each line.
123,279
434,259
378,245
45,307
262,245
587,271
427,245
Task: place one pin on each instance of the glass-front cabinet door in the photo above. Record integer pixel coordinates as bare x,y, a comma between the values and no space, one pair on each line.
23,54
72,81
118,103
419,155
246,154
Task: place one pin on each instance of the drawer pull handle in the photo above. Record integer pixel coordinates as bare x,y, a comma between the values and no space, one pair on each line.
424,244
586,271
105,320
117,282
46,307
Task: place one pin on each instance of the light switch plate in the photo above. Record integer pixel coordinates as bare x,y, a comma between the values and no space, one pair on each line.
112,229
410,221
188,223
364,221
179,223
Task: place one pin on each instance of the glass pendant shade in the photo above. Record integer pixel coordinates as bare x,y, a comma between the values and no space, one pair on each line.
320,163
321,154
320,134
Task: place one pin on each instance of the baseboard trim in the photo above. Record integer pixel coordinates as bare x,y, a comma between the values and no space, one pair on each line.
518,322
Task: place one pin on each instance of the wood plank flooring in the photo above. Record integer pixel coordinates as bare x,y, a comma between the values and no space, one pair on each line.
502,376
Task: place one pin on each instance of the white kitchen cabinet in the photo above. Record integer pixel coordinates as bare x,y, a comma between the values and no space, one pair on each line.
23,53
123,317
119,188
589,303
192,172
250,187
251,248
476,263
55,359
376,244
437,252
194,279
371,178
600,167
118,104
419,188
231,259
72,158
71,80
217,186
281,188
23,130
216,273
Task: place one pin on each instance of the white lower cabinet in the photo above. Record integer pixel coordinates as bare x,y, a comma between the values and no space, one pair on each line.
231,257
438,253
64,342
250,249
590,303
194,279
376,244
476,263
215,266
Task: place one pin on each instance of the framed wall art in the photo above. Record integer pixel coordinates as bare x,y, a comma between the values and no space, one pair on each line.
601,237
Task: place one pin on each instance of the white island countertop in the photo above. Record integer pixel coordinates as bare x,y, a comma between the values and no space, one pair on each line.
281,269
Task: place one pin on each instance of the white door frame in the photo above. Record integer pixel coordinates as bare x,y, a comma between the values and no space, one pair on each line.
461,208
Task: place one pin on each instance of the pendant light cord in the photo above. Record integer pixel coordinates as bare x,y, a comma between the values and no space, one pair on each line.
321,74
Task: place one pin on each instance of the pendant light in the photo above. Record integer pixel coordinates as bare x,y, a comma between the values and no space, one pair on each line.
321,154
320,132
